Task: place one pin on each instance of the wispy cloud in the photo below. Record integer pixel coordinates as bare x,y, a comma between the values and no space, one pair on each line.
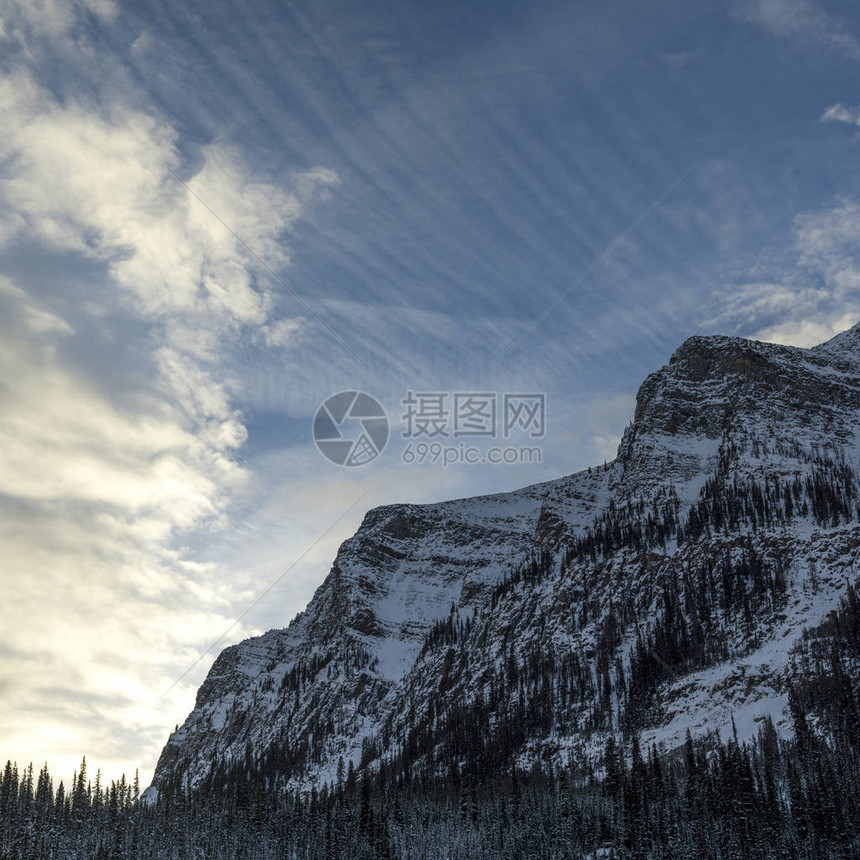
802,21
24,20
807,293
842,113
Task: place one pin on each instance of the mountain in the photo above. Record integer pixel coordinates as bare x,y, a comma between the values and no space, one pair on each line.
686,585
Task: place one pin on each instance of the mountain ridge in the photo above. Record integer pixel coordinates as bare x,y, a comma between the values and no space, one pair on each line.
433,611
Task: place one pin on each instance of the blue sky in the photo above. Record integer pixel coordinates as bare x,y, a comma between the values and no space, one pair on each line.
216,215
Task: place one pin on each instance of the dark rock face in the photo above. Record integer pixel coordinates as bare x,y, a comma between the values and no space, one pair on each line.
727,523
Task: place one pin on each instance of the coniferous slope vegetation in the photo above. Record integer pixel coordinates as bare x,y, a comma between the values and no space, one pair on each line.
769,797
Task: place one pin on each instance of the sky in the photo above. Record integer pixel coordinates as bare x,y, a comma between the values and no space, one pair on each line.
213,216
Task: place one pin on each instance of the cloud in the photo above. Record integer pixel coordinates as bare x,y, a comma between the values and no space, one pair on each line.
803,22
828,243
810,293
842,113
98,185
102,483
27,19
91,496
101,183
22,314
807,333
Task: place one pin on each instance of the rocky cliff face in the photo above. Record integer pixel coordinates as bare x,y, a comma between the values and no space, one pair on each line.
664,592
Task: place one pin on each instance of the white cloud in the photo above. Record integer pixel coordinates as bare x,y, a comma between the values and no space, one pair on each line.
21,313
829,245
99,183
801,21
811,293
842,113
91,496
807,332
98,491
24,19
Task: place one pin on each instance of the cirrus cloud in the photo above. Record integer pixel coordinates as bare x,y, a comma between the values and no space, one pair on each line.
802,21
807,294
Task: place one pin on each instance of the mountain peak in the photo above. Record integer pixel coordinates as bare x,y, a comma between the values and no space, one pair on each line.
698,347
728,523
844,345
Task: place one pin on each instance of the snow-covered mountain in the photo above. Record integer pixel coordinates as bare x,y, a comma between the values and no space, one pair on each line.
668,590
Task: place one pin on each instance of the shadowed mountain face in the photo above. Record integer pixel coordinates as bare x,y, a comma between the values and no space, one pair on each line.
663,592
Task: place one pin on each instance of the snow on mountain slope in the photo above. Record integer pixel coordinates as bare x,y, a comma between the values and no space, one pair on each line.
362,631
663,592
